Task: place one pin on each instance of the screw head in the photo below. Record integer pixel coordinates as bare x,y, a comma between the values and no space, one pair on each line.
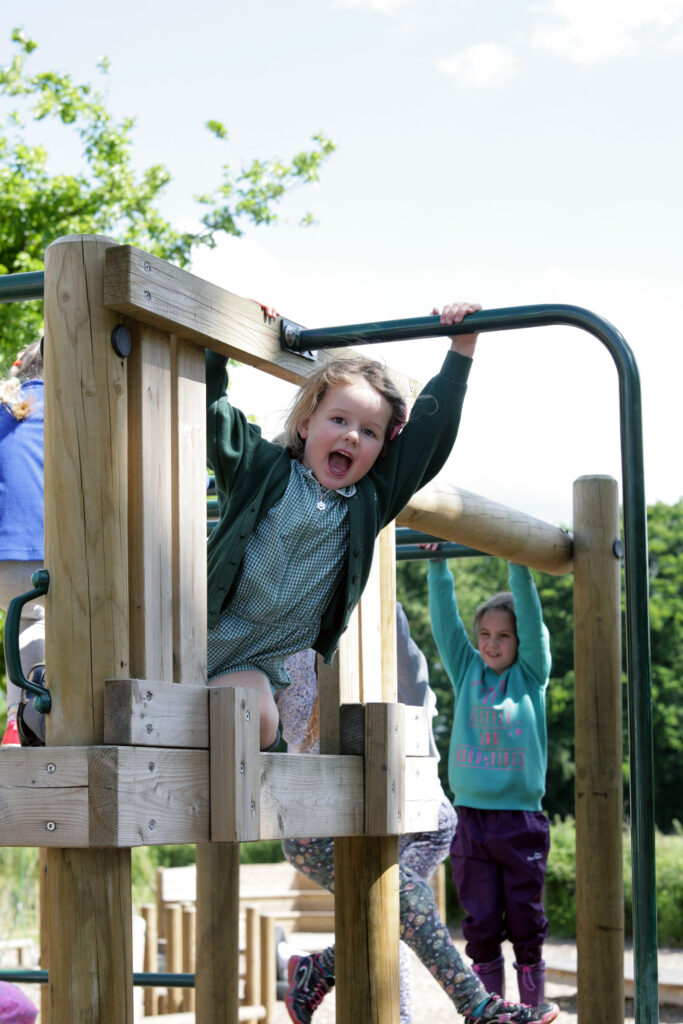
50,826
51,768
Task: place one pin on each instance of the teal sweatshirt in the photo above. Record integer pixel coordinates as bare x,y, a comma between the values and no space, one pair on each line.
498,753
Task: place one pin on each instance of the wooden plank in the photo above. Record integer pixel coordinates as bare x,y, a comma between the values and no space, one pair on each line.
384,775
149,514
188,436
370,646
234,764
157,293
141,712
44,797
301,792
143,798
466,518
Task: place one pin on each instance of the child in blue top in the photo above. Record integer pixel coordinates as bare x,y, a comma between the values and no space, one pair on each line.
496,768
293,547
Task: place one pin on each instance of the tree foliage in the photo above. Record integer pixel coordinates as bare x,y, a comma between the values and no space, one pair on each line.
106,194
476,579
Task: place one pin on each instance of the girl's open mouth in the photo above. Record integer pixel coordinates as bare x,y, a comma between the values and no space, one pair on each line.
339,463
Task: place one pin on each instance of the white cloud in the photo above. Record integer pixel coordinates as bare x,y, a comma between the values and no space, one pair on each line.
480,64
591,30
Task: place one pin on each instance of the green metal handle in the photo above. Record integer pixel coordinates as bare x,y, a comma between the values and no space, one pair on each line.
43,700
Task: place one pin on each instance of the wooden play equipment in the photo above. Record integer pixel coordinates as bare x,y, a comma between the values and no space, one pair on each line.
140,752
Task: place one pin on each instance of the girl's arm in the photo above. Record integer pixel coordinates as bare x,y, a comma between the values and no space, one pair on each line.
534,641
231,440
449,632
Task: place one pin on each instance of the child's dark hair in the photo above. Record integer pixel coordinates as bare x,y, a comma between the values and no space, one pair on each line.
503,602
341,372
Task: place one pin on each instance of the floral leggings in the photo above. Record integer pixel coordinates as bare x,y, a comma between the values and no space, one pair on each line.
421,928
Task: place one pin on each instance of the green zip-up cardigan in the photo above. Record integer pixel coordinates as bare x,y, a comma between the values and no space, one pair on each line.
252,475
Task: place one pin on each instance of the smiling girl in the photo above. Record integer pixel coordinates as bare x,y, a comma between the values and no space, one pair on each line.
292,551
497,764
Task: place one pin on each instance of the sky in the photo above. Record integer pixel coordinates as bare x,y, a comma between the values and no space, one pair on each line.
501,151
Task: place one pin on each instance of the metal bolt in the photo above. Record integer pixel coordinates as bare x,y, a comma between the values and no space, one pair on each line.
148,295
618,549
150,766
148,695
247,716
50,826
51,768
146,266
152,824
253,807
241,768
149,728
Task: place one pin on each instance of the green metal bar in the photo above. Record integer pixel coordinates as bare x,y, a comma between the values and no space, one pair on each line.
43,701
20,287
145,979
641,759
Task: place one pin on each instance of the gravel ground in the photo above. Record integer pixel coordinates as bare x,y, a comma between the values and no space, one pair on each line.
432,1006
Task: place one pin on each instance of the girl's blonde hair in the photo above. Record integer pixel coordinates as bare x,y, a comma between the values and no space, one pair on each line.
503,602
27,366
341,372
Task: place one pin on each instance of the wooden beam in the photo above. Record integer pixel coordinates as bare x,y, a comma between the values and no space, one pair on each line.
141,797
154,292
466,518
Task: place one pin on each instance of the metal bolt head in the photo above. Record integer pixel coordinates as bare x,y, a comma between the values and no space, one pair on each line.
50,826
149,728
51,768
152,824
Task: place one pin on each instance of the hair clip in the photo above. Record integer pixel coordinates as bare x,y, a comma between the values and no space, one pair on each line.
400,424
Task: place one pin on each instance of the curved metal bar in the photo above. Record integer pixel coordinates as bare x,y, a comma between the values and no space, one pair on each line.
43,700
641,759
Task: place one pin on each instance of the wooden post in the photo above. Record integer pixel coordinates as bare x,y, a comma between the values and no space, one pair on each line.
189,951
173,914
268,966
252,979
599,783
217,974
366,873
86,554
151,961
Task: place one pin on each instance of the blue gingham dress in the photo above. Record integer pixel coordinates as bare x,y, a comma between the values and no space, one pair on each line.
292,564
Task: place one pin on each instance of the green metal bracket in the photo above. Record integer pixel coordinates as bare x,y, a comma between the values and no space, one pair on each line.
294,338
43,700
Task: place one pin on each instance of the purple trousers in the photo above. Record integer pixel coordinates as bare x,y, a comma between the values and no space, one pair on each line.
498,861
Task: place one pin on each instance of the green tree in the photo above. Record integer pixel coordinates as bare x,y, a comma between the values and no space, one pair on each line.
665,536
106,195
